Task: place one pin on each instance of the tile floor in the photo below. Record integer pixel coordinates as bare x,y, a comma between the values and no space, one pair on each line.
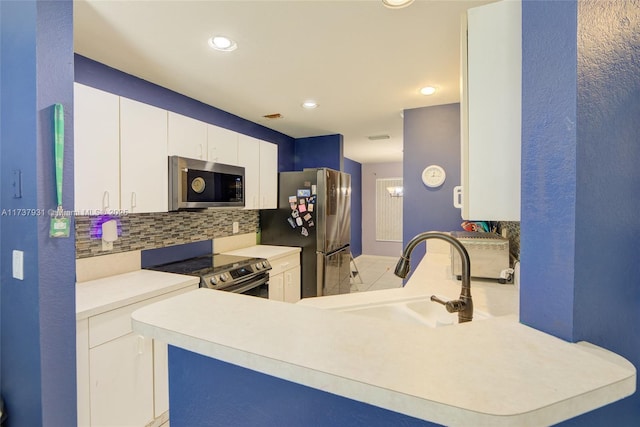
376,273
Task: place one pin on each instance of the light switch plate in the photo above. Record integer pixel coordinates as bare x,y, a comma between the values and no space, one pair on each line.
236,227
18,265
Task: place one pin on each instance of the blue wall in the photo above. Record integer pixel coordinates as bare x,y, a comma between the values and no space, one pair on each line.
100,76
431,136
221,394
319,152
580,177
548,165
355,170
38,313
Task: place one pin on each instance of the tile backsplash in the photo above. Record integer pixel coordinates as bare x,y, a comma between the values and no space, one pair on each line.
157,230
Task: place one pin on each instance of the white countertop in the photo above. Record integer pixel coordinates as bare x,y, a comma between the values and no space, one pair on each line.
493,372
265,251
101,295
433,276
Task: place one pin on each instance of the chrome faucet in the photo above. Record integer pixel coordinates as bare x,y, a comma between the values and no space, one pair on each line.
464,305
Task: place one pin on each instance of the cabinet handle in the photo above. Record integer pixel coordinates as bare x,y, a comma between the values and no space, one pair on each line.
134,200
140,344
285,265
287,278
105,201
201,153
457,196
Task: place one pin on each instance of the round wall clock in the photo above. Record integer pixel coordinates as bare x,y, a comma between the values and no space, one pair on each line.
433,176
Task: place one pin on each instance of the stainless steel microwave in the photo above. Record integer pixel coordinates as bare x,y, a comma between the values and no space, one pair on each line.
197,184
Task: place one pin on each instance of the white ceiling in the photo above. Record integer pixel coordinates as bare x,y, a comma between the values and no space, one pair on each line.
363,63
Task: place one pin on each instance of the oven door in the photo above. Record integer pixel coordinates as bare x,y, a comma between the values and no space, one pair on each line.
257,286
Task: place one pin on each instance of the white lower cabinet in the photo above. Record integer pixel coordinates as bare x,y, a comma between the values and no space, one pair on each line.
122,376
284,278
121,373
161,378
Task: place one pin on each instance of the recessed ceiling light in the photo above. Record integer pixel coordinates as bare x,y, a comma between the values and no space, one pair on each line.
222,43
428,90
309,104
396,4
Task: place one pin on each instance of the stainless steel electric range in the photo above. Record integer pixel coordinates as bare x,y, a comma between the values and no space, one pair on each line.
242,275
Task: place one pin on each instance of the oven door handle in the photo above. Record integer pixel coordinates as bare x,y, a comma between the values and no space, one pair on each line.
239,288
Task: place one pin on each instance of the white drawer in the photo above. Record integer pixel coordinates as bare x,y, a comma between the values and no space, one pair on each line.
279,265
116,323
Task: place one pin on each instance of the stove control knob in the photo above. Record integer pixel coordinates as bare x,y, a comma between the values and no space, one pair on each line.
214,280
265,264
258,266
223,277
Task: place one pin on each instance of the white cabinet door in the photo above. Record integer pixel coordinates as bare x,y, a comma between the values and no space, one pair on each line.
284,278
292,285
161,378
96,149
121,375
268,175
82,372
187,137
249,157
491,104
222,145
143,157
276,287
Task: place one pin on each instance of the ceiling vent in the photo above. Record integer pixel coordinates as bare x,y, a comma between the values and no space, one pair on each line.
273,116
378,137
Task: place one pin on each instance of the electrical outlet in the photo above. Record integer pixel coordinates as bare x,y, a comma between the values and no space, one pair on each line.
236,227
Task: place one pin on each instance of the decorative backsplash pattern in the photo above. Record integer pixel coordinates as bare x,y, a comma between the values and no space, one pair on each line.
157,230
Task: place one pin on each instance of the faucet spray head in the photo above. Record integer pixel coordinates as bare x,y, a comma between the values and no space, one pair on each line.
403,267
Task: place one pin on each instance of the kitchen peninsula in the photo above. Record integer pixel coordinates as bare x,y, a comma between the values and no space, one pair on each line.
324,367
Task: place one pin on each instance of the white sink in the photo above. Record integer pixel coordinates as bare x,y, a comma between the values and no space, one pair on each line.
417,311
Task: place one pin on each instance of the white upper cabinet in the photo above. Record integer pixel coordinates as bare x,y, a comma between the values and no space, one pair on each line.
120,153
249,158
187,137
222,145
122,147
260,161
491,59
268,175
96,150
143,157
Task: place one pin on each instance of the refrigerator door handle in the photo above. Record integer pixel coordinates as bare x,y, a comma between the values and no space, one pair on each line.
320,265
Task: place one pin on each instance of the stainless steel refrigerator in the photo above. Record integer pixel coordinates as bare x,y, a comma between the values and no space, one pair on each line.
314,213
